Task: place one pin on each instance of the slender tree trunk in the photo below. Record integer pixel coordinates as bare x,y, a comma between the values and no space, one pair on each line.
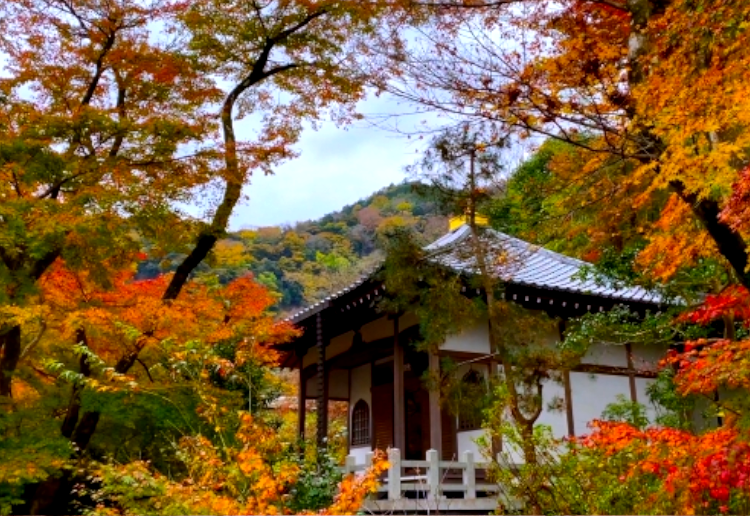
74,405
524,423
730,243
11,346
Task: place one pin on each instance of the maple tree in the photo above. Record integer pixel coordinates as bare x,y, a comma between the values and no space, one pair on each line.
95,118
635,87
109,126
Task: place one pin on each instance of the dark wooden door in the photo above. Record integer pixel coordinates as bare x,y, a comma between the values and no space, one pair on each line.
450,436
382,416
417,418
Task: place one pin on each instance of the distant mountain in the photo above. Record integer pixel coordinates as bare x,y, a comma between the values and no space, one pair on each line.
305,262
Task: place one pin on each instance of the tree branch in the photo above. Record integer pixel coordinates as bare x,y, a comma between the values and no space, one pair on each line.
145,368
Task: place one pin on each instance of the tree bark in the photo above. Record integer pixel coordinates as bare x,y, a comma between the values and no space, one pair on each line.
11,345
730,243
74,406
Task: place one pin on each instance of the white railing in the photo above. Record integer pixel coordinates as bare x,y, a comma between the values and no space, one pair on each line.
428,485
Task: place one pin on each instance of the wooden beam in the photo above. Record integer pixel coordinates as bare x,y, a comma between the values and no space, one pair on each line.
436,428
566,385
301,409
322,401
493,366
613,370
569,403
631,376
399,426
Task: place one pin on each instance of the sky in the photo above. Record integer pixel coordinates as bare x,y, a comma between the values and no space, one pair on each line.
336,167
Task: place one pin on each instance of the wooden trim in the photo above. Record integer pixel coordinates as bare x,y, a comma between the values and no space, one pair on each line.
399,416
349,411
301,408
477,358
436,427
322,401
613,370
372,412
569,403
566,385
631,376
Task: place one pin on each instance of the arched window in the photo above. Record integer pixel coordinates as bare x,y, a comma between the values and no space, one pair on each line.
361,424
472,389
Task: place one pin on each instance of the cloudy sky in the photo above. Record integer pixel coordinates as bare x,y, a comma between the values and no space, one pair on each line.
336,167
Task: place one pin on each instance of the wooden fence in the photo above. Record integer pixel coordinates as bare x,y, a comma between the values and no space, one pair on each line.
430,485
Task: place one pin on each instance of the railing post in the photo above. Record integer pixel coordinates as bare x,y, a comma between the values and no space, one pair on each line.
368,460
394,474
470,477
350,464
433,474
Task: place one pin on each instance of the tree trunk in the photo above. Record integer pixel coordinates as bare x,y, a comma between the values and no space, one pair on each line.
730,243
530,458
74,406
10,342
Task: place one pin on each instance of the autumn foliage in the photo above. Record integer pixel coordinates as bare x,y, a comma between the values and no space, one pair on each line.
698,473
690,472
243,480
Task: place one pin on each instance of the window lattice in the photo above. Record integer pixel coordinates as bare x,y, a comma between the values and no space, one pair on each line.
361,424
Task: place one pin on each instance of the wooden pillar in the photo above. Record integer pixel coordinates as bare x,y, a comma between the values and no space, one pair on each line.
301,400
436,427
493,367
399,426
568,403
322,377
566,385
631,373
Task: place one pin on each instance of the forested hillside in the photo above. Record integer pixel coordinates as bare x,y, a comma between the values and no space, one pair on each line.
305,262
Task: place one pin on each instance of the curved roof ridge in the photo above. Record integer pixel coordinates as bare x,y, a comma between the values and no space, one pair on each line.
529,264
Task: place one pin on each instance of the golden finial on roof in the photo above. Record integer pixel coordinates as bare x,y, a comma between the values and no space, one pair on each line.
459,220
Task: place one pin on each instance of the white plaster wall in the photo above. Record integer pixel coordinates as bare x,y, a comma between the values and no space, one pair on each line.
641,394
361,378
646,357
361,384
556,418
466,438
700,422
604,354
467,442
338,384
475,339
591,395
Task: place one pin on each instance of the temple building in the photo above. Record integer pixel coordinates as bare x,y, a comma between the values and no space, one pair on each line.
352,352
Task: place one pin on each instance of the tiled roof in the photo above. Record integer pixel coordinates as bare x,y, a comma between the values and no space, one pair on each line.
519,262
515,261
323,303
